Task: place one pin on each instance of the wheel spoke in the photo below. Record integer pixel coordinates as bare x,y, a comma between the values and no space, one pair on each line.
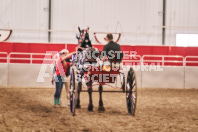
133,96
133,85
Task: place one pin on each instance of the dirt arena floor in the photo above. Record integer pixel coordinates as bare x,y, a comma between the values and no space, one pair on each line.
157,110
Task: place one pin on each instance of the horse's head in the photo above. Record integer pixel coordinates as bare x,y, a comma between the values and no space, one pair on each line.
83,37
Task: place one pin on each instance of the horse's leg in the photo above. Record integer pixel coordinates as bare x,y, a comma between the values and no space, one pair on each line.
78,90
101,107
78,97
90,106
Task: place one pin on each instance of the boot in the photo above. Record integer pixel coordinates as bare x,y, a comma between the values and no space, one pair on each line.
58,101
55,101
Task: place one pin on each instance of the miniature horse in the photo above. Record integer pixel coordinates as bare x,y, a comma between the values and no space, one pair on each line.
84,42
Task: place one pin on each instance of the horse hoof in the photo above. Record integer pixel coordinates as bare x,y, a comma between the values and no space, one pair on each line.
78,106
101,109
90,108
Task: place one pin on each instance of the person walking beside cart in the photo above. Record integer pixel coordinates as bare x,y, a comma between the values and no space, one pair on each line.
59,73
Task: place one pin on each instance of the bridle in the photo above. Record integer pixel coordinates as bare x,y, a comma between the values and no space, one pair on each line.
83,35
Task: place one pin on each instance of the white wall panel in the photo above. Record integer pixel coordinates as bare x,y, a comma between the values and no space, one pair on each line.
134,18
3,74
191,75
26,75
67,15
25,14
170,77
129,16
181,14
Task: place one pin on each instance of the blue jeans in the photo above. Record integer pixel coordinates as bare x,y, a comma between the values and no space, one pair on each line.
59,80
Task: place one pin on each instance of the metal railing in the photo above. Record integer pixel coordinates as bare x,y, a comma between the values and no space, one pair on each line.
164,59
132,59
30,58
4,58
195,62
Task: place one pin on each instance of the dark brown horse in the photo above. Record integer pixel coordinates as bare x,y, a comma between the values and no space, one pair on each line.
84,42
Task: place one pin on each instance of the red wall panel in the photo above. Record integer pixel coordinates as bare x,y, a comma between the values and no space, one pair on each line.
30,47
141,50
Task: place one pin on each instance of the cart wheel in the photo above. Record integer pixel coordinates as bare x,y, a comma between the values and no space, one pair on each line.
131,92
72,93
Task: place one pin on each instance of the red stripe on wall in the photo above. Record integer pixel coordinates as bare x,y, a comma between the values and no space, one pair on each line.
29,47
141,50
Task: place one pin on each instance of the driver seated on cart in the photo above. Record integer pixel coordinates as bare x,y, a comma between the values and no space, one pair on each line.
111,51
111,46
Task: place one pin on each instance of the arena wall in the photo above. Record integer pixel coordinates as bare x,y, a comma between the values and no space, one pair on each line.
39,75
191,76
3,74
29,75
167,77
24,73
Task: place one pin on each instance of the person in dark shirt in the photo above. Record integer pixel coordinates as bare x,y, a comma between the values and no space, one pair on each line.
111,48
